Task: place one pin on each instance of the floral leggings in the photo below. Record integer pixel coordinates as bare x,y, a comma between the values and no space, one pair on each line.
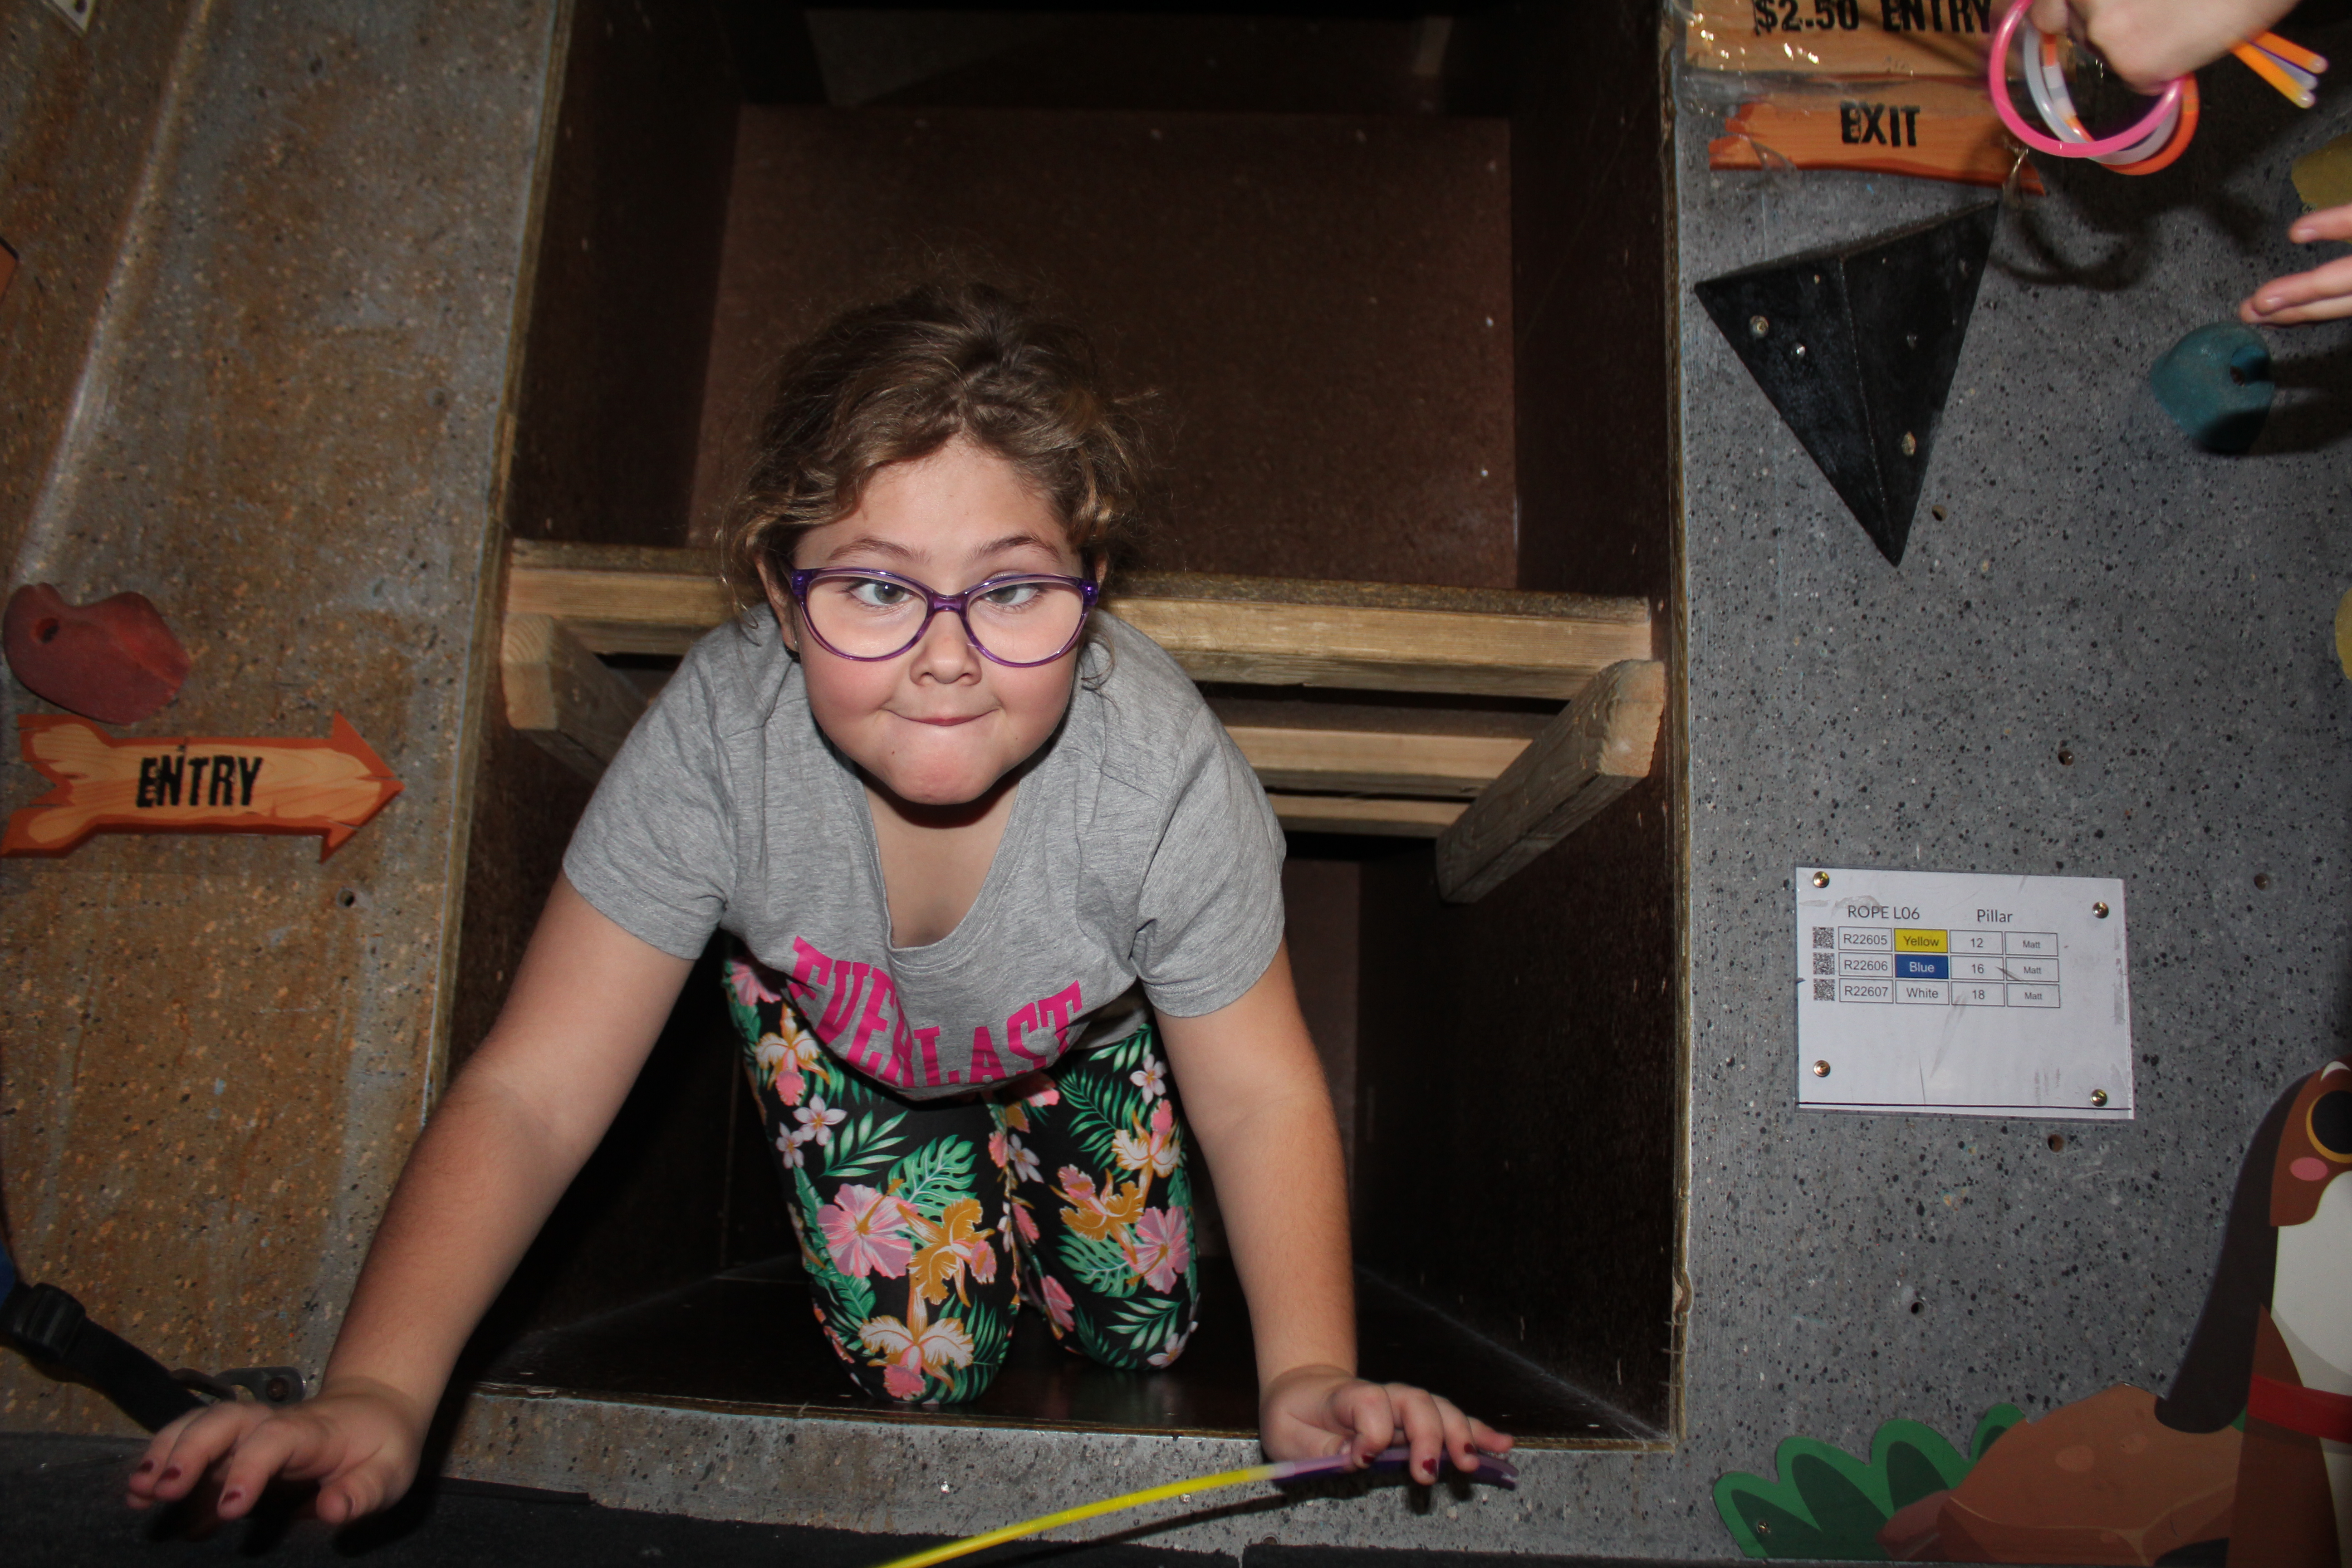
902,1207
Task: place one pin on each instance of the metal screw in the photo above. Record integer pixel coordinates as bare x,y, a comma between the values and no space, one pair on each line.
2261,879
2057,1143
1910,445
2100,910
1800,350
2066,758
1820,1070
1757,326
2098,1097
1821,878
1763,1527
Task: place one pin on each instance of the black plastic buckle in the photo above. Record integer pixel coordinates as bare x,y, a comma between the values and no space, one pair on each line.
44,1320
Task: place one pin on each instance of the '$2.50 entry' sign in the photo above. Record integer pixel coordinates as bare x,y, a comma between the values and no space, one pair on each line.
194,785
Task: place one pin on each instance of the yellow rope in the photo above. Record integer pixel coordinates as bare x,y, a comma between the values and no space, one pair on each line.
1091,1510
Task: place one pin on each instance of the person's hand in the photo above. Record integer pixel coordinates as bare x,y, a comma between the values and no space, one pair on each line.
1311,1411
2322,294
2149,42
358,1440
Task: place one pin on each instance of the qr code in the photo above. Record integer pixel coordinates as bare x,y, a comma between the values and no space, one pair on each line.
1825,964
1825,936
1824,989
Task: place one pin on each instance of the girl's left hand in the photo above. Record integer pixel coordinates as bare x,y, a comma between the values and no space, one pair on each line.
2322,294
1311,1411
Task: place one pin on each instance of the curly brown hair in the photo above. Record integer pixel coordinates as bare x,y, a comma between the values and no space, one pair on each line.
895,382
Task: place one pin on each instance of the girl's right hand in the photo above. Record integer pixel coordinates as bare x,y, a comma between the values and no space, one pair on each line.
358,1439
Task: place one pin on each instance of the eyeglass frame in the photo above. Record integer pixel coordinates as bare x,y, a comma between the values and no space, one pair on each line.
797,583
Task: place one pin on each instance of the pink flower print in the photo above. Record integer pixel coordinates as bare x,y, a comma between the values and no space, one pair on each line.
788,1144
996,1147
866,1231
1025,1222
1174,1348
1057,1303
1024,1161
1162,1247
838,1348
1157,1148
1044,1097
1077,1185
919,1344
817,1120
1151,1078
749,988
901,1383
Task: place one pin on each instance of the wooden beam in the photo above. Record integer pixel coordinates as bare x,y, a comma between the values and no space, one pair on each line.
1367,762
563,696
1586,758
1256,631
1386,818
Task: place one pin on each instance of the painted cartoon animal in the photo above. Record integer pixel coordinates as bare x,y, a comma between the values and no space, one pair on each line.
2251,1451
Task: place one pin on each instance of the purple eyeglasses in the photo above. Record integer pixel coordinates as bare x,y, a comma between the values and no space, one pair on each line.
1019,619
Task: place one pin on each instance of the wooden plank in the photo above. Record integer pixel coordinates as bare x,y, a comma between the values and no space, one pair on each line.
563,696
1260,631
1368,815
1588,756
1926,130
1270,644
1375,761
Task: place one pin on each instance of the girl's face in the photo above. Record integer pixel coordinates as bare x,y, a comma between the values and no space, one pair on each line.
938,725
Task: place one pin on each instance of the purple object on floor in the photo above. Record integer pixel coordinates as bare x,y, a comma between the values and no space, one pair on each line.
1494,1471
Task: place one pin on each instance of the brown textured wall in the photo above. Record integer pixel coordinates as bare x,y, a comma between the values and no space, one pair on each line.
76,115
1323,302
607,414
214,1052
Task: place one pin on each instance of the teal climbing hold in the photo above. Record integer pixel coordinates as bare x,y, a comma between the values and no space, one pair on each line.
2216,384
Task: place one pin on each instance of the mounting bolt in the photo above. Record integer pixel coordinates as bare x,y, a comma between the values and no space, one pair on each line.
1757,326
2100,908
2098,1097
1820,1070
1821,878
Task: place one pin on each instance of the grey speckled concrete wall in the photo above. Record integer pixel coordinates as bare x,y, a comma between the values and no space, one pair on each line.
283,429
2096,586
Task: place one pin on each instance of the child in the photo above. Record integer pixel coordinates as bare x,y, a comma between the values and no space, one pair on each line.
962,827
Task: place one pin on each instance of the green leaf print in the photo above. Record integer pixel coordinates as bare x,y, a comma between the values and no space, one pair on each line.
1123,1057
934,1176
1099,1266
862,1147
853,1302
1176,1193
1146,1325
1094,1108
1097,1345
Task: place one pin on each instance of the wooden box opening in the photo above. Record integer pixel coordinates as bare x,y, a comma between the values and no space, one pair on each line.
1398,284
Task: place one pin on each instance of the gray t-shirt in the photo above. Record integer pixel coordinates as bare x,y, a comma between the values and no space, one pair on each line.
1139,848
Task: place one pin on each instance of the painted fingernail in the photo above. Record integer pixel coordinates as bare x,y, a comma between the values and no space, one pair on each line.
170,1475
229,1497
145,1466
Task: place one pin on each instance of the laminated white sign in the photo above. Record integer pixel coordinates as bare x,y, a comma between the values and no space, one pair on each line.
1960,994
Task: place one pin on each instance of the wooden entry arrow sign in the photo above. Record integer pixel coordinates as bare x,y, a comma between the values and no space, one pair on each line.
193,783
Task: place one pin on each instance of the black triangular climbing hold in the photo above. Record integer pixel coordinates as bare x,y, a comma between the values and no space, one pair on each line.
1855,345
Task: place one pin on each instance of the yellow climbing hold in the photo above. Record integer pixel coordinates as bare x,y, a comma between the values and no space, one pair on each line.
2324,178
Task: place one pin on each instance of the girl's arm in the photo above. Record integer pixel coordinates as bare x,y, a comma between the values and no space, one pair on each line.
502,1145
1254,1095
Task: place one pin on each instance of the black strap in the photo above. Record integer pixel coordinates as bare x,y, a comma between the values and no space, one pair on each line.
51,1327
